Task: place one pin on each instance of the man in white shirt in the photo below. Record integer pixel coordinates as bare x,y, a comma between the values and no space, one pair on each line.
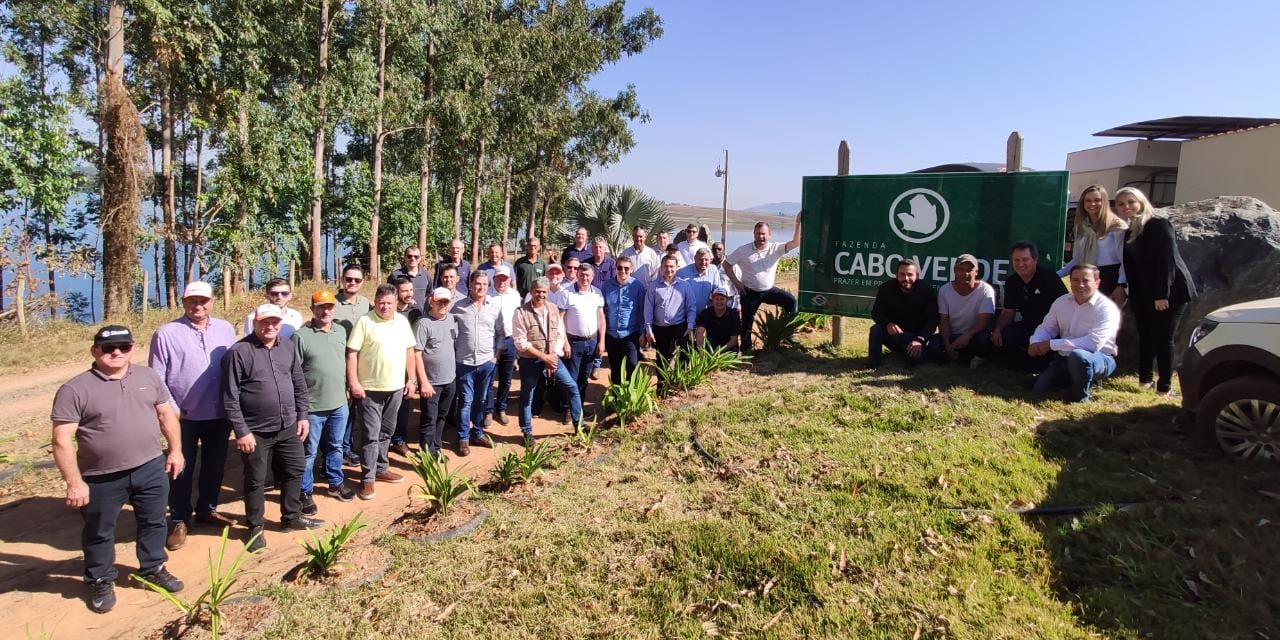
584,325
752,269
690,245
278,293
508,300
644,260
965,308
1081,328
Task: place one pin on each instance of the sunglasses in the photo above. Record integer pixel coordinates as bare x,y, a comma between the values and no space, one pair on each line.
354,280
412,257
274,294
112,348
624,268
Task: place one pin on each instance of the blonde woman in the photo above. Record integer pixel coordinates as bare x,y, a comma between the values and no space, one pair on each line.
1159,285
1099,240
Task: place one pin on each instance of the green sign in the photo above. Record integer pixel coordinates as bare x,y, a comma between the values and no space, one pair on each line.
857,228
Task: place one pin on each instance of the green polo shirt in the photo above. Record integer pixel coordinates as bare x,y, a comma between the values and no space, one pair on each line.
323,355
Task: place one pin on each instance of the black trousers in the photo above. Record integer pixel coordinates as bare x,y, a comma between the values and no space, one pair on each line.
1155,340
751,301
667,339
1017,337
434,410
625,348
283,452
146,487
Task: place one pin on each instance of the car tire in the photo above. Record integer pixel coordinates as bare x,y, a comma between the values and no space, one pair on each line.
1241,417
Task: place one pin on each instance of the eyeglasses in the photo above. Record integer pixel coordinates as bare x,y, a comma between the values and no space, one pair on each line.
112,348
353,280
274,294
624,268
412,257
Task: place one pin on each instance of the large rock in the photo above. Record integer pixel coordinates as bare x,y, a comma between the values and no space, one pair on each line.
1231,246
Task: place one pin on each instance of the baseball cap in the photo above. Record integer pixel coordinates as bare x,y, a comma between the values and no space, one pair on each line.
967,257
267,311
555,266
441,293
112,334
502,271
323,296
197,289
720,291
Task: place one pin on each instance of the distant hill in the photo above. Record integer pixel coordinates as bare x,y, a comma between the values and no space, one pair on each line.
786,208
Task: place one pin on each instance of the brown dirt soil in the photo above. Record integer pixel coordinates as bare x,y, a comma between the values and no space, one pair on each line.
429,522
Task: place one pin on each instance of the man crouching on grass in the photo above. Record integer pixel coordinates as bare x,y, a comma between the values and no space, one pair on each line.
1081,327
116,412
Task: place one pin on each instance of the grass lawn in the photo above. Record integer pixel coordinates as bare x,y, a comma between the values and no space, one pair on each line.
837,502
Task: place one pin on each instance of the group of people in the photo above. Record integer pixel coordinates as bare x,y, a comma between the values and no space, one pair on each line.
304,396
1068,338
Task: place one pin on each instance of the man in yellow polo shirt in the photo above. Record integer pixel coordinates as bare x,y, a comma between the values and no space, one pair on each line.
381,371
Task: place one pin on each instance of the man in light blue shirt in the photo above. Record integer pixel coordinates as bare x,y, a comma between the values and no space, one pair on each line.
624,316
668,311
702,277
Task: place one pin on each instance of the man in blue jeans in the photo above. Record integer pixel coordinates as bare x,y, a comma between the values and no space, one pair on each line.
540,340
322,352
753,268
504,293
187,355
584,326
1081,328
480,336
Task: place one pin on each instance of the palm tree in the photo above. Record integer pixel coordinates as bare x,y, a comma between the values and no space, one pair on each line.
612,210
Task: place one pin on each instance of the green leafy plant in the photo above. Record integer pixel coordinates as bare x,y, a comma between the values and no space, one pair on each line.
787,264
439,486
506,471
222,582
815,320
632,397
677,374
777,327
585,435
323,550
536,460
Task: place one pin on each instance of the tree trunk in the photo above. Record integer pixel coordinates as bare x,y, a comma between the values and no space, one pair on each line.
317,169
374,266
546,213
477,203
239,259
53,286
121,178
457,205
170,197
424,173
506,206
531,224
197,226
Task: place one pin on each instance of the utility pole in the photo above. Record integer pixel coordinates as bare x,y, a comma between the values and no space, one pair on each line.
724,207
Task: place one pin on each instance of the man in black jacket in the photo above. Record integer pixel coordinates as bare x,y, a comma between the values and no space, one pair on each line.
265,396
905,315
1028,294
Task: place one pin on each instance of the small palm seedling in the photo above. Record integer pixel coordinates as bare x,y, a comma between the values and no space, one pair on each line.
506,472
323,550
222,583
440,487
777,327
676,374
815,320
585,435
632,397
536,460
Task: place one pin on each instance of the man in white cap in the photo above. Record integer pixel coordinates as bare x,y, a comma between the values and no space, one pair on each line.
187,355
718,325
965,308
265,397
437,371
508,300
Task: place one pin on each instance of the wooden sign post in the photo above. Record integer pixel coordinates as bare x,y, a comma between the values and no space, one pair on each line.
1013,153
842,169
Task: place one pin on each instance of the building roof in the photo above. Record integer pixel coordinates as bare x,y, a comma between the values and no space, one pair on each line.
1184,127
967,167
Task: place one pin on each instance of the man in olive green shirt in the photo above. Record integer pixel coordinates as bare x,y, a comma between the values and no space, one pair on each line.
530,266
350,304
322,351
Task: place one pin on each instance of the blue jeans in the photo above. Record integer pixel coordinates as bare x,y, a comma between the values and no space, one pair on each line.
353,410
1076,373
209,438
504,371
533,376
878,338
473,386
581,354
328,428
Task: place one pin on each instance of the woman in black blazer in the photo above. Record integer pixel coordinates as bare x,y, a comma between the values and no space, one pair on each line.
1159,285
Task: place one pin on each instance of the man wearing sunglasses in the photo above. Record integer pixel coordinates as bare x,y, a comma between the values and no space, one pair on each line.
106,423
351,305
279,293
411,269
624,319
187,355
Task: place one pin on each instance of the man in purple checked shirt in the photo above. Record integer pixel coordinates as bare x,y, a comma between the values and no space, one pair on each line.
187,355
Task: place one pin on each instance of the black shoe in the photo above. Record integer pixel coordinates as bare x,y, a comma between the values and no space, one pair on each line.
528,442
165,580
302,524
500,416
308,505
342,492
257,540
104,596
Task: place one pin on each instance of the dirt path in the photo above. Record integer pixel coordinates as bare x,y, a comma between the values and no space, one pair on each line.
41,591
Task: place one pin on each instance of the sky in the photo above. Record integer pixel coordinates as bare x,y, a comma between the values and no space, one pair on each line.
911,84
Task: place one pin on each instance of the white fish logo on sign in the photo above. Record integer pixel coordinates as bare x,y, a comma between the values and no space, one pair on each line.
924,218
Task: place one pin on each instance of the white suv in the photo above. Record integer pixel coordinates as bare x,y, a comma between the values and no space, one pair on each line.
1230,377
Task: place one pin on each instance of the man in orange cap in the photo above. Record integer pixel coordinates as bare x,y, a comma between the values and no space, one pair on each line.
322,352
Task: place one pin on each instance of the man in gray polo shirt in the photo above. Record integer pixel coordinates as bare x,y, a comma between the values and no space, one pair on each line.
115,412
435,335
480,336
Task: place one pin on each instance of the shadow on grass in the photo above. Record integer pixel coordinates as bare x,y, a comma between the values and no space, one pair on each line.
1197,556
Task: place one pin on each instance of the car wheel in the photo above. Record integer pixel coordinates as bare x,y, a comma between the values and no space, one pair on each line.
1242,418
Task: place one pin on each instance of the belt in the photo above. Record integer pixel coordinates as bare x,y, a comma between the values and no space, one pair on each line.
573,338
